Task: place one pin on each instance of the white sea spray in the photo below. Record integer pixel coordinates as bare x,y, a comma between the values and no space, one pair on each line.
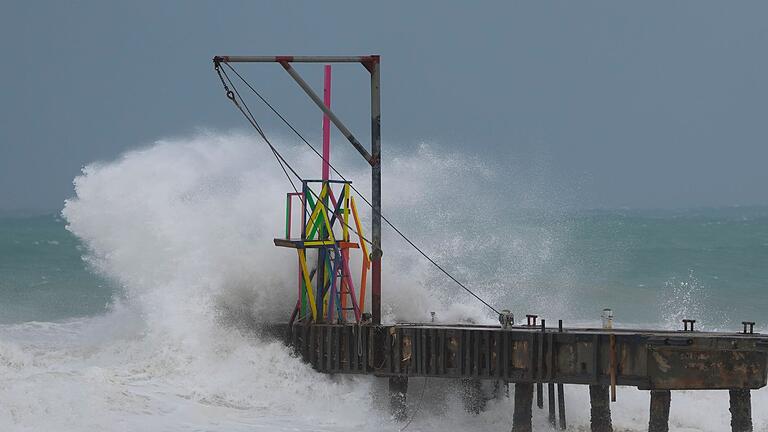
184,227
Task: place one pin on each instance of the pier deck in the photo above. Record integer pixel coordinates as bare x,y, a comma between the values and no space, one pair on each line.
646,359
659,361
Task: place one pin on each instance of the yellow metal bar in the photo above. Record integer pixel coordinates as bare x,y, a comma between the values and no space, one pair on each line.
328,224
305,274
346,212
366,260
359,227
319,242
312,217
363,279
318,209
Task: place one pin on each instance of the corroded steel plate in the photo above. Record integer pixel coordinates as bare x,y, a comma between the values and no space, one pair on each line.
674,368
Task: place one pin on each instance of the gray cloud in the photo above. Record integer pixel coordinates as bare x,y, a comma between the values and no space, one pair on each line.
653,104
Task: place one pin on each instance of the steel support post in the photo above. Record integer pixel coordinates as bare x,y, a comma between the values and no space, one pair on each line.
521,419
600,409
658,420
398,388
561,405
540,395
375,191
551,400
741,410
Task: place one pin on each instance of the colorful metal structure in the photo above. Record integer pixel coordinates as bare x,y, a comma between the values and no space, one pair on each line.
372,64
325,207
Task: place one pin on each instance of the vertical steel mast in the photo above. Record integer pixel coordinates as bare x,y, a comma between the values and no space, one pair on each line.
373,68
372,64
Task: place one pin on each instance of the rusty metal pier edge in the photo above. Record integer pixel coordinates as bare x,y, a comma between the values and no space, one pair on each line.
659,361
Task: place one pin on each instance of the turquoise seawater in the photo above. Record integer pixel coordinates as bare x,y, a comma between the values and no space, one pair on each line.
651,267
42,273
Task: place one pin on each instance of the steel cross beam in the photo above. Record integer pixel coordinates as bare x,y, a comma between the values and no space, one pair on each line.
297,59
371,63
327,111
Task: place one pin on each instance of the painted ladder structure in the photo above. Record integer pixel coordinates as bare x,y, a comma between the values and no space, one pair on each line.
331,330
333,296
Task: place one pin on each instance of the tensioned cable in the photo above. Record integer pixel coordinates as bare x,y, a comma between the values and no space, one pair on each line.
234,95
391,225
251,119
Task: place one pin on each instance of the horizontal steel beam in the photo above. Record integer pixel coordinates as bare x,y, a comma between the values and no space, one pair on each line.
296,59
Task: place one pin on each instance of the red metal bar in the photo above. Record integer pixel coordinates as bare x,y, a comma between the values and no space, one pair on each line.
327,124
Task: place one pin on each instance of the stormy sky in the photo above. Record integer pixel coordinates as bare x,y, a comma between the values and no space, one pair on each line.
640,104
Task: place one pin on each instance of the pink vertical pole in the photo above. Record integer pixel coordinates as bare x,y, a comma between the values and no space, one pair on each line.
327,124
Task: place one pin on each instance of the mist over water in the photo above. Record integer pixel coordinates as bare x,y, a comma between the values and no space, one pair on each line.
177,240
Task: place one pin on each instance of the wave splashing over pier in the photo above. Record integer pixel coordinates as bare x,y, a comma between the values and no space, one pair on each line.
183,229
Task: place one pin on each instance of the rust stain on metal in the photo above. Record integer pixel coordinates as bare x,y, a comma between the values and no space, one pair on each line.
661,362
677,369
406,350
520,354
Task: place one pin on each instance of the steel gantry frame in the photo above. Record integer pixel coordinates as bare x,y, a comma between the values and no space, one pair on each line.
372,64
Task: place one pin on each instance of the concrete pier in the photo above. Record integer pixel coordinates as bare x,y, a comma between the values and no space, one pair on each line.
658,419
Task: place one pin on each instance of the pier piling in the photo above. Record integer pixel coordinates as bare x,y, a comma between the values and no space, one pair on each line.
741,410
561,405
521,419
551,400
540,395
600,409
659,414
398,388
